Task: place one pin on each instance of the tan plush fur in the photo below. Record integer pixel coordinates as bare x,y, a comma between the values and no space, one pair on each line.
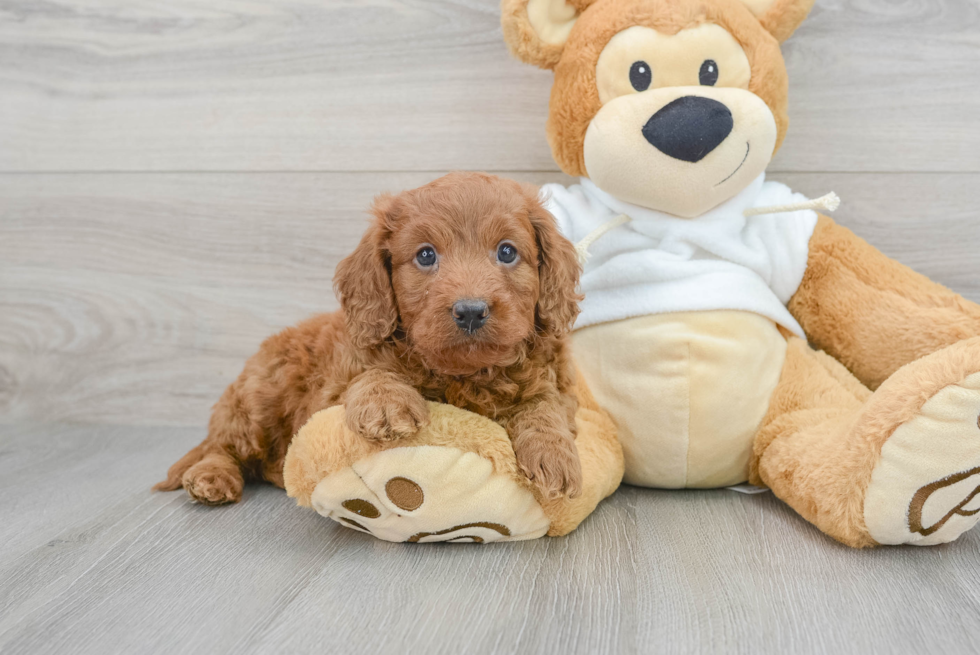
872,313
824,431
333,446
799,452
329,446
574,97
881,325
395,343
521,38
783,17
892,338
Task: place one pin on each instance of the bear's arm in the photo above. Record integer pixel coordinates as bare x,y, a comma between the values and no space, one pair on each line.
871,313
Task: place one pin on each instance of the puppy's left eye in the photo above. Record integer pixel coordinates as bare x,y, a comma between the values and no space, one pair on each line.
426,257
506,253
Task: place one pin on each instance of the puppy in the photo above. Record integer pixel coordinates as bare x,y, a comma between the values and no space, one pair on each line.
461,292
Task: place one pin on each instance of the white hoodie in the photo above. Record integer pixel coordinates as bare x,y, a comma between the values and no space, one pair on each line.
659,263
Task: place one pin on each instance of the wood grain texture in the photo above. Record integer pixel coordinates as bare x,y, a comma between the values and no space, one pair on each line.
91,562
135,299
233,85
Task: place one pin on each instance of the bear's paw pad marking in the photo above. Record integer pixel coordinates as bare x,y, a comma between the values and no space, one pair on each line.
361,508
925,488
923,513
404,493
415,494
353,523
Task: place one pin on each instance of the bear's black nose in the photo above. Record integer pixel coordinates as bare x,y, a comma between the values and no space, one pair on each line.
470,315
689,128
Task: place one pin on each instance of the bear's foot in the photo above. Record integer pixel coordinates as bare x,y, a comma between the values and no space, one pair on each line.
457,480
925,487
430,493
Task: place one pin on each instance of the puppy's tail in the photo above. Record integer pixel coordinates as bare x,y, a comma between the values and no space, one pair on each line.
176,472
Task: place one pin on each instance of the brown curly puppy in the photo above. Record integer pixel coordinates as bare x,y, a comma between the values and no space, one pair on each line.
462,292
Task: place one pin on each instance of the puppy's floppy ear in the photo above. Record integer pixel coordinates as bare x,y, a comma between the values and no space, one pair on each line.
536,30
780,17
558,271
363,282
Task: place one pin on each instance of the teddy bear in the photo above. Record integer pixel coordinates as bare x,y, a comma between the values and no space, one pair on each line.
457,480
733,333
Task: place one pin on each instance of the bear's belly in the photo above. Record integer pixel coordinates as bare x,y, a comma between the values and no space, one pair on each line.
688,391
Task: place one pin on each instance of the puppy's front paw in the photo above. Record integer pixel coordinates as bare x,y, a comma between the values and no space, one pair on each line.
551,462
393,413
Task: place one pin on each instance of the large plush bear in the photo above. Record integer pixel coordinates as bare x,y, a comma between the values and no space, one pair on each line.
705,282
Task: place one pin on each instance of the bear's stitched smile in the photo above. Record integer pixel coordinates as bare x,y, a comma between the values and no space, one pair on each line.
739,167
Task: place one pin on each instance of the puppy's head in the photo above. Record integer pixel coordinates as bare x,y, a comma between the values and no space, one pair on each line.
469,267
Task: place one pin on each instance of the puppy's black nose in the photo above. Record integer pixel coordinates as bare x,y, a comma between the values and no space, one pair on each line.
689,128
470,315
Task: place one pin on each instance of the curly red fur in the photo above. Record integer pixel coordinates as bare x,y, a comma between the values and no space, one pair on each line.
394,343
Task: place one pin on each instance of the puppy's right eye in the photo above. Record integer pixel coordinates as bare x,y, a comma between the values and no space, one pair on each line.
640,75
426,257
506,253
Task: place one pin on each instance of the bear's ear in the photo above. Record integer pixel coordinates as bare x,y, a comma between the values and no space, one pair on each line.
536,30
780,17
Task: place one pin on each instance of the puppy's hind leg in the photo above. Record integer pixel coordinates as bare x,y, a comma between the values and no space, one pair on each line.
213,472
215,480
176,472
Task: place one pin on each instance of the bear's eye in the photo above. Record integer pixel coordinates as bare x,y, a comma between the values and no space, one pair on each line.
426,256
640,75
709,73
506,253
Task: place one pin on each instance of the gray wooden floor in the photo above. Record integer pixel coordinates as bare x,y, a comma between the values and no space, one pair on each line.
178,180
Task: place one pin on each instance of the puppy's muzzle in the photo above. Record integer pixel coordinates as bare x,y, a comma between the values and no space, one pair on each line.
470,315
689,128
